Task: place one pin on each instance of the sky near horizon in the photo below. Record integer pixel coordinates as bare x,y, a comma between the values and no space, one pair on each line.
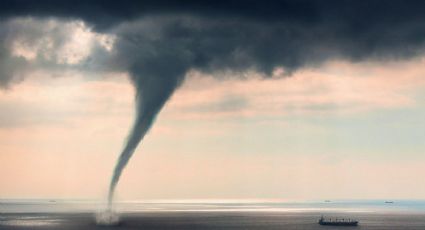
346,124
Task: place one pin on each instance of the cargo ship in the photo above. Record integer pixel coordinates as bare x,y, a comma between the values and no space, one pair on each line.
338,222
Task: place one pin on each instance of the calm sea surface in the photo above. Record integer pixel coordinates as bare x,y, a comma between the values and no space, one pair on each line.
67,214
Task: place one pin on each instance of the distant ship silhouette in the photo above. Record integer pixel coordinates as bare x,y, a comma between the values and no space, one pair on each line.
338,222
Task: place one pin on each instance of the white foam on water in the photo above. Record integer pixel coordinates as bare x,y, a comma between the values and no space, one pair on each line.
107,218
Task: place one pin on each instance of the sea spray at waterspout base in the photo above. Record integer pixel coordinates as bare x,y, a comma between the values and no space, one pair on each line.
107,218
152,92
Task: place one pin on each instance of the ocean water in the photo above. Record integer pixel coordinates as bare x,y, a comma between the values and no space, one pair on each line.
81,214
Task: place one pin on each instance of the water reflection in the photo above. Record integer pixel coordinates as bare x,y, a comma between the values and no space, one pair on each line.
30,221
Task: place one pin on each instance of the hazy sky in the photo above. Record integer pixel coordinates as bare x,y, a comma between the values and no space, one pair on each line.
336,118
338,131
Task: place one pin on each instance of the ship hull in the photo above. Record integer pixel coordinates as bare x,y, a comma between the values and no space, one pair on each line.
355,223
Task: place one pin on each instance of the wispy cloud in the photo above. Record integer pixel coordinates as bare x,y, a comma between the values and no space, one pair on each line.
338,88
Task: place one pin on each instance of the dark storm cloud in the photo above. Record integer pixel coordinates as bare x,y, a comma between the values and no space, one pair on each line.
260,34
106,13
236,35
182,43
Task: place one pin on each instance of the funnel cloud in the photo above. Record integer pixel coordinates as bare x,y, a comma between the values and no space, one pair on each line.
152,92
